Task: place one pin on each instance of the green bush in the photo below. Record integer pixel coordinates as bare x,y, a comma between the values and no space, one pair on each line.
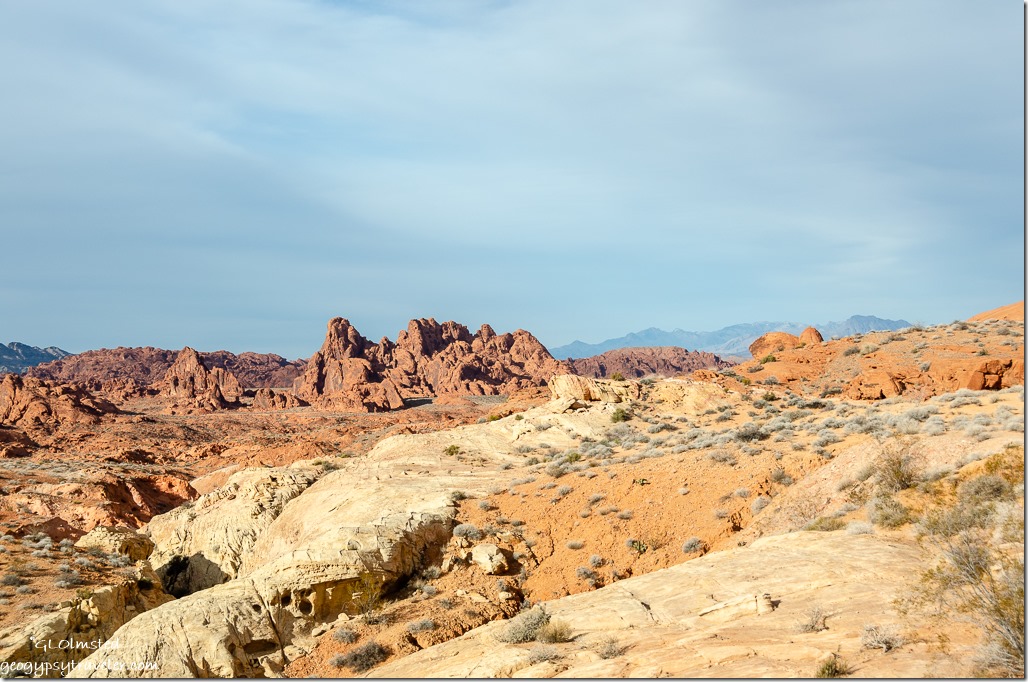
768,358
452,450
619,415
617,376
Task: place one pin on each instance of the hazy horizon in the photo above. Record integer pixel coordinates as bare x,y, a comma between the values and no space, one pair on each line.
233,175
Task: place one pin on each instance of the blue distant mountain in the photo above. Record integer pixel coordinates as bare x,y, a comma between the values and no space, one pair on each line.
16,357
733,340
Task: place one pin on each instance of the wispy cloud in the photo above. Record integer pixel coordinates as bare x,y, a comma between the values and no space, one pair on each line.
581,169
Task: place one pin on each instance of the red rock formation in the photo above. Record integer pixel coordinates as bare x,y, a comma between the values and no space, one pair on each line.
268,399
428,358
144,367
773,342
35,404
190,382
810,337
1014,311
666,361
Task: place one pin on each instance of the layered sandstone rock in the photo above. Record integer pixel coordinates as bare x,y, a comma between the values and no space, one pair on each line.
32,403
189,382
571,387
203,544
640,362
66,636
428,358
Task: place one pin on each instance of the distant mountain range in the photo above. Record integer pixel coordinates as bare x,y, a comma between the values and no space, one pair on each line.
733,340
16,357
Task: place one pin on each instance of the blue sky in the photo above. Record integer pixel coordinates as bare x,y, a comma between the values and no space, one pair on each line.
232,174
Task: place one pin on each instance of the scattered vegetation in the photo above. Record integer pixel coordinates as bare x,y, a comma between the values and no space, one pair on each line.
363,658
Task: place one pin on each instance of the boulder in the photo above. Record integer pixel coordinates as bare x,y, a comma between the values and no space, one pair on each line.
773,342
115,540
489,558
810,337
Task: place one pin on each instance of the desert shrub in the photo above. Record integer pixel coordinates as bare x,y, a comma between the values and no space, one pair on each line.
423,625
542,654
749,432
554,632
625,514
814,620
344,636
825,524
881,637
768,358
619,415
617,376
833,667
851,350
859,528
888,512
556,469
467,531
722,457
363,658
486,505
11,580
637,546
610,647
779,476
692,545
524,627
896,470
575,544
985,488
758,504
451,450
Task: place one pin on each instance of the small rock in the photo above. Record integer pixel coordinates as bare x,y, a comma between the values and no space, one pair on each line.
489,558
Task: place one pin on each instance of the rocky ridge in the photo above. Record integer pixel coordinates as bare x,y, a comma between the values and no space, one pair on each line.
145,367
635,363
428,359
16,357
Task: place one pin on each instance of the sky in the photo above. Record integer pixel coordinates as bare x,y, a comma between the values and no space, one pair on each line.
231,174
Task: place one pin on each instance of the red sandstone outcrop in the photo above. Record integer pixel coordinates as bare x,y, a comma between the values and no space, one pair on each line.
428,358
100,370
773,342
811,336
190,382
1014,311
666,361
269,399
31,403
